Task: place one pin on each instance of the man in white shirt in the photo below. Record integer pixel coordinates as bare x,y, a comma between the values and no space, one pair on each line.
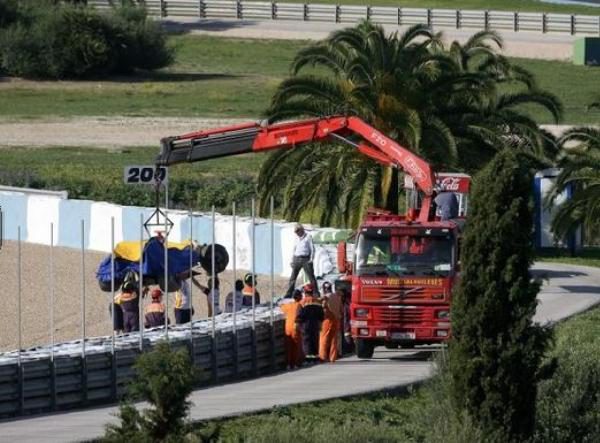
304,252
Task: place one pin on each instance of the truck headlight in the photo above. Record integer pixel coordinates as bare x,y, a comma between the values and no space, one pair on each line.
443,314
361,312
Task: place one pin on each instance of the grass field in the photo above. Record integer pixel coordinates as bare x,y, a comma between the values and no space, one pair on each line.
215,77
407,417
497,5
586,257
97,174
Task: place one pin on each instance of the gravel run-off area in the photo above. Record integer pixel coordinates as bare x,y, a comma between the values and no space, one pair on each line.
114,132
36,295
105,132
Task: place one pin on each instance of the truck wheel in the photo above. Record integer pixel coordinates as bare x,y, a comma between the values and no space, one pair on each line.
364,348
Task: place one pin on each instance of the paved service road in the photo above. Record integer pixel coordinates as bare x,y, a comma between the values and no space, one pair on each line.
568,290
517,44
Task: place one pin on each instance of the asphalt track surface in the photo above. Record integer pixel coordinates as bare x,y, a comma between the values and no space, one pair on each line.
567,290
550,46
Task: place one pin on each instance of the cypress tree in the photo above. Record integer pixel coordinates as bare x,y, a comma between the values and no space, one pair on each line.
496,349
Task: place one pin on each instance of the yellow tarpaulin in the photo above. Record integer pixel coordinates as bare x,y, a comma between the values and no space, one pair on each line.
130,250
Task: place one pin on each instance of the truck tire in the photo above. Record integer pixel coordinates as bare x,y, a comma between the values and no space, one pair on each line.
364,348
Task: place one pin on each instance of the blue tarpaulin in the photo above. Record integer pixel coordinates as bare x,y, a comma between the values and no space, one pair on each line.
153,262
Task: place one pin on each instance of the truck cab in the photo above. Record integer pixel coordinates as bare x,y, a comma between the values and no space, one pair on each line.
401,274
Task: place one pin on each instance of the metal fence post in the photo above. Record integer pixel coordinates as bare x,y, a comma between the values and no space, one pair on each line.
166,260
235,307
51,285
544,22
516,22
573,24
368,12
399,16
83,332
238,6
429,17
337,13
112,310
141,286
213,276
163,8
273,11
486,20
213,300
201,9
253,258
191,286
458,17
305,12
271,322
19,332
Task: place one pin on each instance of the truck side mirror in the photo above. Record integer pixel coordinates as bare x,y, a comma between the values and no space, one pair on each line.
341,257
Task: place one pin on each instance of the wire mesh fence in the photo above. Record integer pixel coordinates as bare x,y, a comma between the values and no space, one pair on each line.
241,342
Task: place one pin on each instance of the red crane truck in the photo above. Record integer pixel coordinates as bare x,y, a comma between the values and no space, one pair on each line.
403,267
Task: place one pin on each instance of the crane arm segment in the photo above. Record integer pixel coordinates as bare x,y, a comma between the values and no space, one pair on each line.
258,137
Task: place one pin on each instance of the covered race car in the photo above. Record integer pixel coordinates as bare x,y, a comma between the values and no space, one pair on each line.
179,256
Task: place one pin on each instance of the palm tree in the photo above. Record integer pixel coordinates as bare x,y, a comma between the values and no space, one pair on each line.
444,104
581,171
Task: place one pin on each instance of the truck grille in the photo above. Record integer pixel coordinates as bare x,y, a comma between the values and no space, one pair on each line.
393,295
404,315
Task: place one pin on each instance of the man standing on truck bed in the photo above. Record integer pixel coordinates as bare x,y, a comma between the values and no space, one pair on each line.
447,204
304,251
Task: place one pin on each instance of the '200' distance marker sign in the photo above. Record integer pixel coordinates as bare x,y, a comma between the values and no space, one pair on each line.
144,175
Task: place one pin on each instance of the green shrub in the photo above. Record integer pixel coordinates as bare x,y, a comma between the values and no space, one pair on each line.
68,41
568,407
8,12
165,377
496,351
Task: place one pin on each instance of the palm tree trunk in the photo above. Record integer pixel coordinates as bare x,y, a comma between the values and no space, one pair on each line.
386,196
393,194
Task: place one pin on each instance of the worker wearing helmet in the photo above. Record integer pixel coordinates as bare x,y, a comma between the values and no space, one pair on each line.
304,252
330,330
250,291
293,334
154,314
130,304
310,318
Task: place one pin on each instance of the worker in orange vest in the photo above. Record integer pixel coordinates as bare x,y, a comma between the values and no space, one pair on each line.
154,314
250,290
293,336
330,329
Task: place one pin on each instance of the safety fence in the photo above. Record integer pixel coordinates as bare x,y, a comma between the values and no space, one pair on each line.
436,18
91,372
245,342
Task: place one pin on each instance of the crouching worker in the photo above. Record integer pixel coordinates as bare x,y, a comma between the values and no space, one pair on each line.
310,318
154,314
293,336
130,304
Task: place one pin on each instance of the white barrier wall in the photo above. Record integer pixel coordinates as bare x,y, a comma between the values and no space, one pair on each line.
34,213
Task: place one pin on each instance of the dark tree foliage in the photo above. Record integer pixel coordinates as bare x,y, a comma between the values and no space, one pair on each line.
43,40
165,378
496,350
8,12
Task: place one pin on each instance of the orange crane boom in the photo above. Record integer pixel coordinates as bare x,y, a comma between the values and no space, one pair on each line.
259,137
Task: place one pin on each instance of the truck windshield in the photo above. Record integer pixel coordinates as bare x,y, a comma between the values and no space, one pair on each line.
379,253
